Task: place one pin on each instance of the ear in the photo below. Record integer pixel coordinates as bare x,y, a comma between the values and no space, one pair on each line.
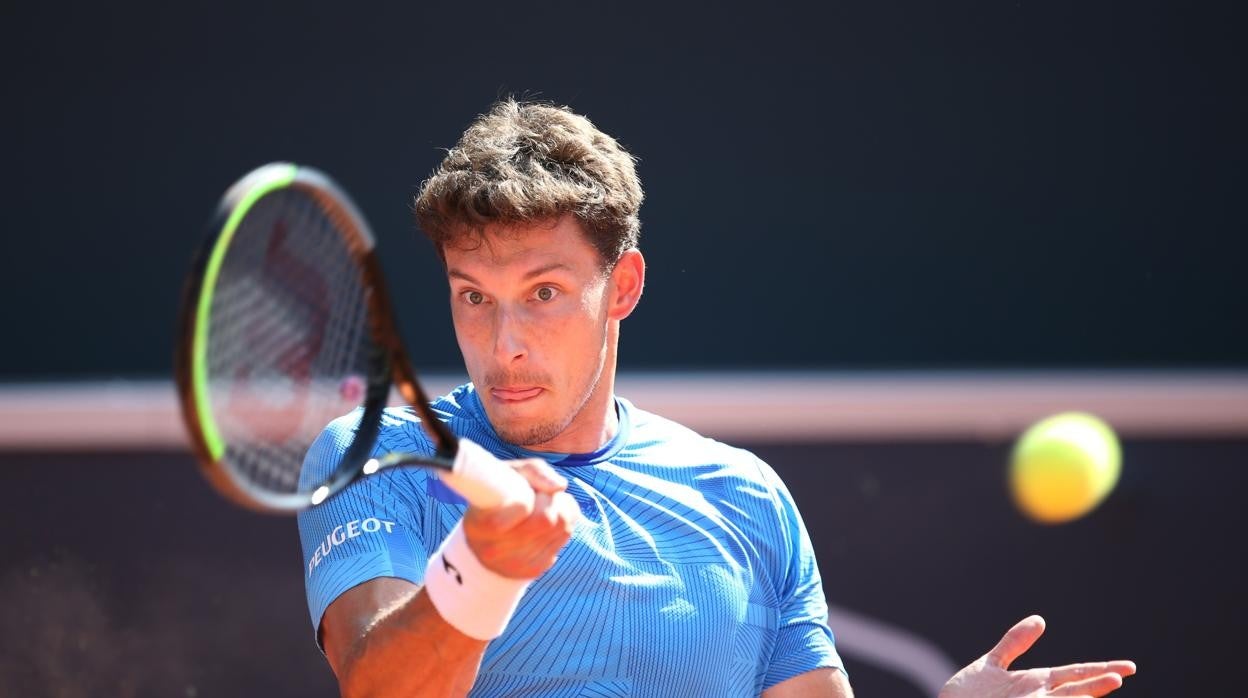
624,287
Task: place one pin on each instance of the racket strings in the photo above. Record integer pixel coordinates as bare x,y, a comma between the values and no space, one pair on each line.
289,339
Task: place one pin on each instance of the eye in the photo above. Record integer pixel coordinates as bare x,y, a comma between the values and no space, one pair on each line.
545,293
473,297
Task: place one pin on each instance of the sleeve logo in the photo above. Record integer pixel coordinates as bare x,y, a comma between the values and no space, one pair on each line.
344,532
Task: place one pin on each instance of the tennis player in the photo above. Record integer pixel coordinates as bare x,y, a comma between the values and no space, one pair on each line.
654,561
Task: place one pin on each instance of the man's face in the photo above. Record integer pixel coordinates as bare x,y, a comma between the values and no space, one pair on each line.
531,313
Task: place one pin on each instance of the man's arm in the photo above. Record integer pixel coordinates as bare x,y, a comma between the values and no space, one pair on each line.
820,683
804,660
385,637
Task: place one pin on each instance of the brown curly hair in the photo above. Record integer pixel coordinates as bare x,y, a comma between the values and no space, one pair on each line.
532,162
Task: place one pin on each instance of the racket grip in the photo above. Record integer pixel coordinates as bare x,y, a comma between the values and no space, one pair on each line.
485,481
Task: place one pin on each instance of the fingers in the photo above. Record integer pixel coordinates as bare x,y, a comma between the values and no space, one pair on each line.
554,516
527,548
521,543
1016,641
1121,667
560,510
1095,686
541,476
1076,672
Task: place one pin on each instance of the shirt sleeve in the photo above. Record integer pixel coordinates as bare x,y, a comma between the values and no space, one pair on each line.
369,530
804,641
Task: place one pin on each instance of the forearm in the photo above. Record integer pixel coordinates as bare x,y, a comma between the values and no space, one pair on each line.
411,651
820,683
385,637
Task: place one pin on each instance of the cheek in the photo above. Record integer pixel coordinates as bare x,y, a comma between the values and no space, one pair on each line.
581,337
579,324
468,333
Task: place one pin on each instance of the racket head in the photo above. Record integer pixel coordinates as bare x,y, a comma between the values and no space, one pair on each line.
285,326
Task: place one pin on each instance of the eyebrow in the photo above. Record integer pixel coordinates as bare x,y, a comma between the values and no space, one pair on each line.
544,269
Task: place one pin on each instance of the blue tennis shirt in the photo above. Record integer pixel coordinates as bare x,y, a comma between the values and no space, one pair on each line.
691,575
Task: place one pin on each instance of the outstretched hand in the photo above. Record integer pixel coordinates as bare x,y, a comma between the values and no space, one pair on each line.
990,675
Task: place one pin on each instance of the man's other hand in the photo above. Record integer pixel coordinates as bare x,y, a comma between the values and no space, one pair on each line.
990,675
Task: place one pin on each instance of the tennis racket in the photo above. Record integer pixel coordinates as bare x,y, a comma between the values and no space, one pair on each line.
285,326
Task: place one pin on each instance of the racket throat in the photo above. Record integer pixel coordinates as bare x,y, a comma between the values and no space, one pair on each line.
392,460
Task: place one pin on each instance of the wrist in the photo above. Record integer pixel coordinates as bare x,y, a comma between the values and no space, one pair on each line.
469,596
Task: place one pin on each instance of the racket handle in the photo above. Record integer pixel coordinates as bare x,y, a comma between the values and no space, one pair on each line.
484,480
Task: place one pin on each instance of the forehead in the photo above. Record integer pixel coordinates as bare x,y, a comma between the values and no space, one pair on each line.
521,247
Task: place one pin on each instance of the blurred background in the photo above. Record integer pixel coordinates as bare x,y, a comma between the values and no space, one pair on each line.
900,231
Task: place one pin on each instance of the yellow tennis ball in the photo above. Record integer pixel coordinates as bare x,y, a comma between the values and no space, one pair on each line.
1063,466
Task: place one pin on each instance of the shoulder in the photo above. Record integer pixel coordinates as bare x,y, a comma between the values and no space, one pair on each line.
460,401
650,430
399,421
401,430
655,438
327,450
740,488
721,472
461,410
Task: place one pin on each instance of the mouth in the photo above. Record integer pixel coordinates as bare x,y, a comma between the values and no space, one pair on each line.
514,394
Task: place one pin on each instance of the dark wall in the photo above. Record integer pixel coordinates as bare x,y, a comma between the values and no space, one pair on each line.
124,575
868,184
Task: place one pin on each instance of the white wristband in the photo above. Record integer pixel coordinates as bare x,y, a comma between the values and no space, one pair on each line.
475,599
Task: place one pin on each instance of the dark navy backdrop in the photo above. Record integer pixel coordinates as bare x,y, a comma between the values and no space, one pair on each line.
966,183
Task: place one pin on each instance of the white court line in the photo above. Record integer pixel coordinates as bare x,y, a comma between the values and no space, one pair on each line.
744,407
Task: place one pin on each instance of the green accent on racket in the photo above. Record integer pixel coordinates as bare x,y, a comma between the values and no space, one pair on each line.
271,178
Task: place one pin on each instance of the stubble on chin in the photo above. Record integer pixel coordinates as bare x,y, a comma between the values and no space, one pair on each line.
536,434
530,434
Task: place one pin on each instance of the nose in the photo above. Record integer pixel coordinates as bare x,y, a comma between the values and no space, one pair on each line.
509,337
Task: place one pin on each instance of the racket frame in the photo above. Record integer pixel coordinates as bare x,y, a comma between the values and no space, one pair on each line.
388,365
